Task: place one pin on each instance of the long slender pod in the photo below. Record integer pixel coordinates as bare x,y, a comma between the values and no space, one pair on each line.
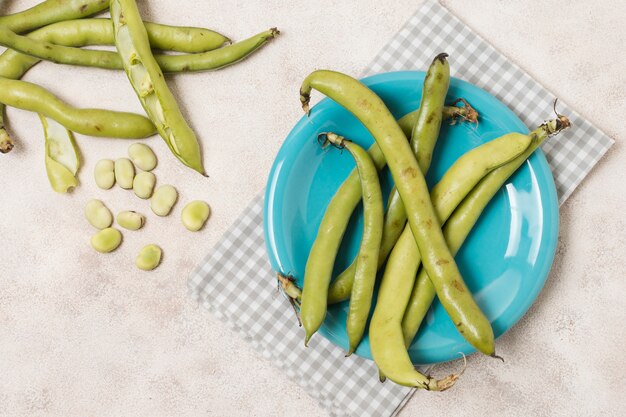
366,106
92,122
146,77
367,257
459,225
48,44
75,33
338,213
386,341
51,11
424,135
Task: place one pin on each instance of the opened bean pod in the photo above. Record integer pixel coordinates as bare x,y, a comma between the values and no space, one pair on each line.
146,78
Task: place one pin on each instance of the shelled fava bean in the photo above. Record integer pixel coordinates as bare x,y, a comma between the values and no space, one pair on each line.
98,215
149,257
142,156
143,184
163,200
106,240
130,220
104,173
195,215
124,173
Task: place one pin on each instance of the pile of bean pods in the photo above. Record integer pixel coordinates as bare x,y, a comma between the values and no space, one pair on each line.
135,173
56,30
416,239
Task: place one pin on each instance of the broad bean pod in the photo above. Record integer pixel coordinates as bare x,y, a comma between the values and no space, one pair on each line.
460,223
367,107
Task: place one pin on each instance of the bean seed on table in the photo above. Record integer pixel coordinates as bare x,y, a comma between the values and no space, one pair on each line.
143,184
98,215
130,220
195,215
149,257
142,156
124,173
163,200
104,174
106,240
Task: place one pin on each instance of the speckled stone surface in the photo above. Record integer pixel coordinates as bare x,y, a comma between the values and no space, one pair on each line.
89,334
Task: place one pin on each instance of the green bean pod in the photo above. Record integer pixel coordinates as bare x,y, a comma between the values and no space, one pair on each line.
146,77
52,11
50,45
366,106
14,64
367,257
62,160
386,341
349,195
90,122
424,135
459,225
45,13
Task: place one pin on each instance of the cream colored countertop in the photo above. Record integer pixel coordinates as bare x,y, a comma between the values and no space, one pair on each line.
87,334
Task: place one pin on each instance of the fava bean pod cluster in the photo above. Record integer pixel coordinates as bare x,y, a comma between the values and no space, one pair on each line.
57,30
409,234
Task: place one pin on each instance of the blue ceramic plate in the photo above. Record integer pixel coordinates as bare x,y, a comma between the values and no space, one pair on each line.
505,260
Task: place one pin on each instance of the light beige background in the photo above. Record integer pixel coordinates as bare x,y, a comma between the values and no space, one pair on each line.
88,334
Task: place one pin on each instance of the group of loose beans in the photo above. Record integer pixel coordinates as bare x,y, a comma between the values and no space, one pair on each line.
55,30
409,233
162,199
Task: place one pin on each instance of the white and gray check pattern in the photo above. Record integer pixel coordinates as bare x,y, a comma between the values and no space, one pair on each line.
236,283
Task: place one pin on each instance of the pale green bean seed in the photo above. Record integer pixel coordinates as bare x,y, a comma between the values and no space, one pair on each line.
143,184
124,173
149,257
130,220
142,156
106,240
163,200
104,173
98,215
195,215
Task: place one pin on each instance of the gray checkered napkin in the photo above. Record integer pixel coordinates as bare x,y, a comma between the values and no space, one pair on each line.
236,283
